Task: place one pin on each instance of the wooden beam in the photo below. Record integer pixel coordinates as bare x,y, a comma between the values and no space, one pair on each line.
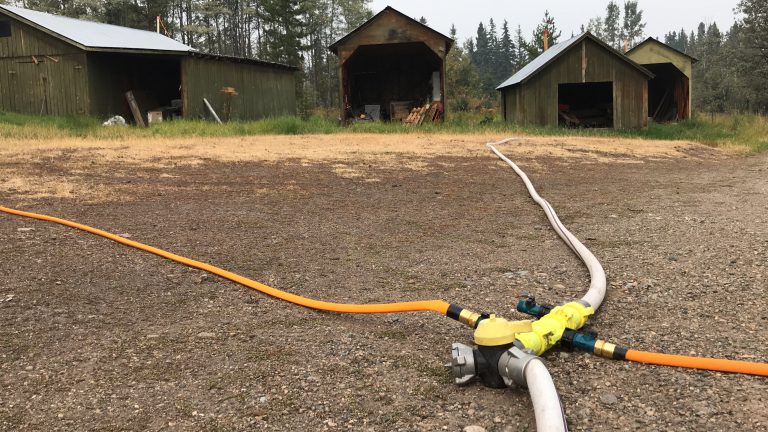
135,109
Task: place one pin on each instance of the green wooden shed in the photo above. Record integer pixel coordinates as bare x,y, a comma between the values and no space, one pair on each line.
56,65
669,92
579,82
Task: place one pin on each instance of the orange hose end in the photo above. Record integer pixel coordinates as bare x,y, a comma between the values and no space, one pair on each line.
438,306
712,364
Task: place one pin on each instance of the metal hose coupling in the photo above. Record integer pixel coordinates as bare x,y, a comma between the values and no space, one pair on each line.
512,365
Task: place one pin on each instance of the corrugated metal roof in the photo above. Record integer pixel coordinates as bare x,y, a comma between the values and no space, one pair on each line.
97,35
539,62
553,53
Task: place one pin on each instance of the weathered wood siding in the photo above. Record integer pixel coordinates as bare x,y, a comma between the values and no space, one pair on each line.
653,52
535,102
391,28
262,91
53,82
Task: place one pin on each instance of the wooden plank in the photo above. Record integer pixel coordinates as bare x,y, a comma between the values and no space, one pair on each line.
135,109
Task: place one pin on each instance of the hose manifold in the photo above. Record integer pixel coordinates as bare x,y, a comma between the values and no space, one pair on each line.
512,366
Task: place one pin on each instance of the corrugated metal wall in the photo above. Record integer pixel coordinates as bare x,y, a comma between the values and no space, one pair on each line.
262,91
535,102
40,74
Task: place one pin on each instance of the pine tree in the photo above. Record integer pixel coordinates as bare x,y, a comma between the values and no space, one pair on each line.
536,46
521,50
753,58
508,52
462,81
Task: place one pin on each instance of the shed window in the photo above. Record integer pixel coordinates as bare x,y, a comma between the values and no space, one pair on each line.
5,29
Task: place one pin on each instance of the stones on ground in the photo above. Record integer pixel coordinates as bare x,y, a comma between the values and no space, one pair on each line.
609,399
474,428
206,335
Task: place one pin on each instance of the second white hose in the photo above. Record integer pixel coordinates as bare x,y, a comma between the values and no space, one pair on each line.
596,293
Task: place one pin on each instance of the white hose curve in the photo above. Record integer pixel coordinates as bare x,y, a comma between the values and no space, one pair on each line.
596,293
546,403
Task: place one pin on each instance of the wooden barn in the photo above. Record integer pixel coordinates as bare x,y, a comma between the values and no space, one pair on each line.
581,82
389,65
63,66
669,92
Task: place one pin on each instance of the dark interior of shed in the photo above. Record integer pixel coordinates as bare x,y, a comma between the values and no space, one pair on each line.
154,80
668,93
389,75
585,104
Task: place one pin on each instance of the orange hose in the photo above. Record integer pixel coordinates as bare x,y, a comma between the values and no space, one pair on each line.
713,364
438,306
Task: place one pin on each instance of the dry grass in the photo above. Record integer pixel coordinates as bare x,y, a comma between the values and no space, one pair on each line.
350,155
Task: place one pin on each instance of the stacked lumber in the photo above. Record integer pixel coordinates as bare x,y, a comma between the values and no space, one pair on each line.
430,112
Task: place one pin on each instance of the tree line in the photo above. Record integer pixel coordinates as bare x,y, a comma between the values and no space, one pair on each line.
732,72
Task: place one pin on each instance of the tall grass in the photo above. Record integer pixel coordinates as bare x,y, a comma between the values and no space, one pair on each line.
723,130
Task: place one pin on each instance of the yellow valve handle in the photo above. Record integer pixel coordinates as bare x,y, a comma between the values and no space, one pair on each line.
548,330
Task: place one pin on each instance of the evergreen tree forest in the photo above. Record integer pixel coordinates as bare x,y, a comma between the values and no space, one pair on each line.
731,75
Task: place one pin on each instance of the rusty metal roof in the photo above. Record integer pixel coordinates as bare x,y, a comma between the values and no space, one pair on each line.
95,36
554,53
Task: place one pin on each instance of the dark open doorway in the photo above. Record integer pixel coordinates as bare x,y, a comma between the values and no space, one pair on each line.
154,80
585,104
392,77
668,93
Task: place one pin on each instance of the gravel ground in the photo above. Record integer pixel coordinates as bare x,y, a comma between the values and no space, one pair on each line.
97,336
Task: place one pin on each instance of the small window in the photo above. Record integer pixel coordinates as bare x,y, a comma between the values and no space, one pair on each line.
5,29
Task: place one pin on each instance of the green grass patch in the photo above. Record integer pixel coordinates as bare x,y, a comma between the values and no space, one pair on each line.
743,130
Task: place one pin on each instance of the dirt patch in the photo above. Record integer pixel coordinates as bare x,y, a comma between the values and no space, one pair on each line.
353,156
97,336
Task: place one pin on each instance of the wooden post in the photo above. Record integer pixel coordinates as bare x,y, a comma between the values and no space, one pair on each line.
135,109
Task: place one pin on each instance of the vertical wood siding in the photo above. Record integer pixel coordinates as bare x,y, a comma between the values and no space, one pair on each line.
535,102
262,91
54,82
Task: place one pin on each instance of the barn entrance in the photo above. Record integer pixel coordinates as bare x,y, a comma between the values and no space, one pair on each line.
383,82
668,94
588,105
154,80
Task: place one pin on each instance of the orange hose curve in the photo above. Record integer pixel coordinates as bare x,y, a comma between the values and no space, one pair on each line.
713,364
438,306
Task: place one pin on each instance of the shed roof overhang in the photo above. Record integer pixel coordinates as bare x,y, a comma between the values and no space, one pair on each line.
349,37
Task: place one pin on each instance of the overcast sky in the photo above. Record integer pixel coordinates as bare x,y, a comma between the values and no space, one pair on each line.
661,16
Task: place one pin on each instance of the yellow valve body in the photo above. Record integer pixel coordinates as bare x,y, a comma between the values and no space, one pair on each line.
548,330
498,331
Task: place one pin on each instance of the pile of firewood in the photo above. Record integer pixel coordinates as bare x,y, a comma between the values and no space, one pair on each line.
431,112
